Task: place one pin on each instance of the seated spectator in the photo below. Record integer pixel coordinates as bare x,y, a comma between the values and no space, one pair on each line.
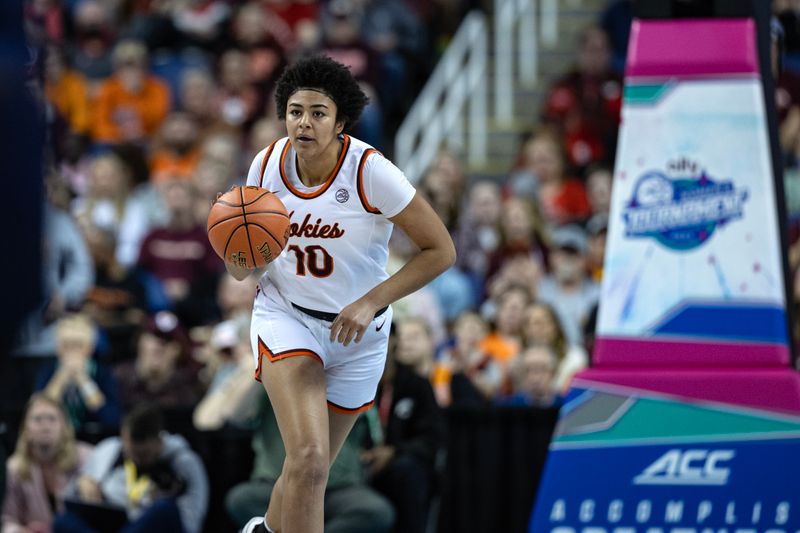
46,460
403,465
520,236
229,369
265,56
105,201
132,103
542,327
568,288
67,91
118,300
181,258
351,506
559,198
532,379
174,154
197,88
505,340
443,186
478,231
85,387
237,100
155,476
94,36
68,275
464,373
200,23
585,104
162,372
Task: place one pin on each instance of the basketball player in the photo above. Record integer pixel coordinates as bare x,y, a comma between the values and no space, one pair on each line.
321,318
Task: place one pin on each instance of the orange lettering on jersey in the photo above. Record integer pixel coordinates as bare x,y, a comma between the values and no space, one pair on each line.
317,230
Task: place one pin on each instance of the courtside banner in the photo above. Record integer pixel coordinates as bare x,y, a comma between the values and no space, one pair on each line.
632,462
693,271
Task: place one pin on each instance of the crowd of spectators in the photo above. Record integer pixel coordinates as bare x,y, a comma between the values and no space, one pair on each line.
154,106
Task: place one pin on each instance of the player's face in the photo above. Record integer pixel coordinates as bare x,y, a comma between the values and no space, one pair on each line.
311,123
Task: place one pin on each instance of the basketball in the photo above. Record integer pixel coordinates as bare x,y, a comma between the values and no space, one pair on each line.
248,226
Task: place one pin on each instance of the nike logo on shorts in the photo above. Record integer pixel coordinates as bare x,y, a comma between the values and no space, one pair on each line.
382,323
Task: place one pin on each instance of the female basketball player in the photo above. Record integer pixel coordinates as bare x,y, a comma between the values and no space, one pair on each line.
321,319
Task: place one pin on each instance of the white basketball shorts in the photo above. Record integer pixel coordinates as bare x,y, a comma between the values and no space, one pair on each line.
279,331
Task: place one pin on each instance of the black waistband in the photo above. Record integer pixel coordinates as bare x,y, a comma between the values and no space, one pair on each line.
328,317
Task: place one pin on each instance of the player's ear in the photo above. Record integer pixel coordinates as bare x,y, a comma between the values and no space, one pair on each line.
339,127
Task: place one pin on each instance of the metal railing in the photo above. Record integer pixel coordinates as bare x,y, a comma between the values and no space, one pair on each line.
459,81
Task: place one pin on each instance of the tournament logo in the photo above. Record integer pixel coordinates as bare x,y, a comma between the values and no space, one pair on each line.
342,196
681,213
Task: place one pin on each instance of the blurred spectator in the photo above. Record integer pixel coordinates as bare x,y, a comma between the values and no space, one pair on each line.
542,327
598,189
162,372
84,386
616,21
197,89
68,276
181,258
200,22
351,506
532,379
94,35
505,340
229,369
155,476
47,458
104,204
542,179
464,373
235,299
263,132
568,288
237,100
597,230
520,238
118,300
174,150
265,56
478,233
67,91
294,24
398,35
403,465
132,103
585,103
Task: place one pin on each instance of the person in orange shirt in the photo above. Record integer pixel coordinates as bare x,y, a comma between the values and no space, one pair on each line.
175,153
67,91
132,103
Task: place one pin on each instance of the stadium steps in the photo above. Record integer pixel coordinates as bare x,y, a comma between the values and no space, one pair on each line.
505,138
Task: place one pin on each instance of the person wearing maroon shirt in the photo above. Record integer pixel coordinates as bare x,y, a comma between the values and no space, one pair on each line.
585,103
181,258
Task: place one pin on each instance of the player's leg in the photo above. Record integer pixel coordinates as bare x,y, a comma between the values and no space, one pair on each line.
296,388
289,365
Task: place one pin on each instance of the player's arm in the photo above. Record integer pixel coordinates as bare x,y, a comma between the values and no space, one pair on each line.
421,223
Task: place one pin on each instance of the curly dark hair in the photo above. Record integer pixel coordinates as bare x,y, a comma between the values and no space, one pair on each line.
331,78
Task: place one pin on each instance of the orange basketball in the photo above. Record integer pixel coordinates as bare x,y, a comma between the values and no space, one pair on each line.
248,226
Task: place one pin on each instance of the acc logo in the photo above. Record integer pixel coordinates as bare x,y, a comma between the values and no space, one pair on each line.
681,213
690,467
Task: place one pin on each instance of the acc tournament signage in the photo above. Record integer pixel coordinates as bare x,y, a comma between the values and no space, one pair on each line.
689,419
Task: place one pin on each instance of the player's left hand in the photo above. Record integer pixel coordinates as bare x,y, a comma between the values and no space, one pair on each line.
353,321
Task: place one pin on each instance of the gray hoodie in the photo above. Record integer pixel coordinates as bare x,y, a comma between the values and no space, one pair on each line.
106,467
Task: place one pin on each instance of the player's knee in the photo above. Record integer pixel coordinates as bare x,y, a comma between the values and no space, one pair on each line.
308,463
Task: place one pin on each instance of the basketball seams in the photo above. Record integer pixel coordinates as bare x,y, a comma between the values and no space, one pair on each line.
244,217
228,242
244,204
250,213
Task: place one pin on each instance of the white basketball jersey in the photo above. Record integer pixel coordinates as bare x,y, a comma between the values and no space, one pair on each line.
339,233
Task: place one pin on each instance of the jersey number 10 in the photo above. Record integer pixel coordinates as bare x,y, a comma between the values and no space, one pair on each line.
309,259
